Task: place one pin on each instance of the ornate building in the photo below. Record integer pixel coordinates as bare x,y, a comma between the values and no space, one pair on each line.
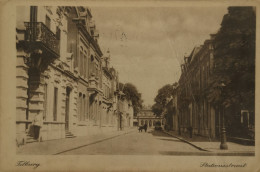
46,82
109,115
62,76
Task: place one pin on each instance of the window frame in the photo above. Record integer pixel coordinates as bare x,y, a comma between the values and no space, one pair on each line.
55,104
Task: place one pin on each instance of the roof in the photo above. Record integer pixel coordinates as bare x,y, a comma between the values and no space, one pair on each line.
194,52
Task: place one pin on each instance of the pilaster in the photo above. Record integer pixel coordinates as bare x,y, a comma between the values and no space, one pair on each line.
21,90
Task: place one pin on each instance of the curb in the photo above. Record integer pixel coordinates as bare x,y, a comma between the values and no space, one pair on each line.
186,141
94,142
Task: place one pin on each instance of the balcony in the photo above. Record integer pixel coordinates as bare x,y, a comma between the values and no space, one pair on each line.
40,37
93,86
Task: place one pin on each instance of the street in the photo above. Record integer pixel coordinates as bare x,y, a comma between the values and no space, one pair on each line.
135,143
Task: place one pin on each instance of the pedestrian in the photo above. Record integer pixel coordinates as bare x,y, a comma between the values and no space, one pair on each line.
145,127
37,124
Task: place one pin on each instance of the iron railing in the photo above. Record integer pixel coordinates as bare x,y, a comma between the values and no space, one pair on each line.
39,32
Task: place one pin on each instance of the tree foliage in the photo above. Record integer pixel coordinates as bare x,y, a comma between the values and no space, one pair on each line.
162,99
233,78
132,94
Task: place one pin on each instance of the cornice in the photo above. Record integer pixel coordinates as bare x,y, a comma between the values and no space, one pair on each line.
88,36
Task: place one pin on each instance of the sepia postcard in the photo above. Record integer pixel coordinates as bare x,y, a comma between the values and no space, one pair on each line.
129,85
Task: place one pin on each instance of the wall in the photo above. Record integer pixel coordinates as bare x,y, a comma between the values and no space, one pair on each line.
194,110
42,96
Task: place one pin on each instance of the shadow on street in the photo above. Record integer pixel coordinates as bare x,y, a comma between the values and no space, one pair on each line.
171,140
158,133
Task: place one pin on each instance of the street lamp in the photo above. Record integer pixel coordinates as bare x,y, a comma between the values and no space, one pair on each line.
223,144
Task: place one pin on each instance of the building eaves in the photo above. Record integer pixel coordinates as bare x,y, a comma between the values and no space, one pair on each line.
89,37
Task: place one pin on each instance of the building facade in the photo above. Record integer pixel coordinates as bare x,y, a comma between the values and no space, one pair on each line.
146,116
125,112
109,118
46,82
62,77
195,112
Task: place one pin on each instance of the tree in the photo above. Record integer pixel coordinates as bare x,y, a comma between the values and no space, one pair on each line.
132,94
233,77
162,99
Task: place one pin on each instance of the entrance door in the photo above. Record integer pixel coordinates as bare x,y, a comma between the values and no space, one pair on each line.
67,108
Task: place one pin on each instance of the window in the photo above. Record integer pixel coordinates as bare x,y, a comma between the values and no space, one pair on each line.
55,104
85,66
33,13
96,69
81,63
83,107
79,106
104,88
48,22
58,33
92,32
45,102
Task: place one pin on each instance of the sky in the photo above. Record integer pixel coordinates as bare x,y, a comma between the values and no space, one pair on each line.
147,44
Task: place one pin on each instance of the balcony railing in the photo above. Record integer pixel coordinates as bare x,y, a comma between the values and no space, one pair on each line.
39,32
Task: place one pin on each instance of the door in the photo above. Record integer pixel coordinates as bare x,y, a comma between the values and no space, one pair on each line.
67,108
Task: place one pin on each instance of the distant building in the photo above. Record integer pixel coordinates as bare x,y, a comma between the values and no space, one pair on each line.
146,116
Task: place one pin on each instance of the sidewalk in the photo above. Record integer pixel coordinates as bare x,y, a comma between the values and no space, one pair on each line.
212,146
54,147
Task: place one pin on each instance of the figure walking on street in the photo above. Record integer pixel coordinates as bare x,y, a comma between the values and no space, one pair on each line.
145,127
